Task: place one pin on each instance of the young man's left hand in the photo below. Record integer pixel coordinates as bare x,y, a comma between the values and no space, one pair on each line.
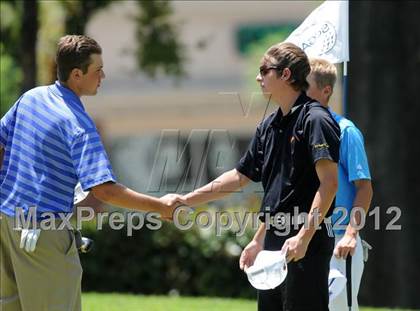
295,248
346,246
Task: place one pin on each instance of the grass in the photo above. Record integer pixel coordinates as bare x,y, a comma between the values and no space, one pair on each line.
129,302
126,302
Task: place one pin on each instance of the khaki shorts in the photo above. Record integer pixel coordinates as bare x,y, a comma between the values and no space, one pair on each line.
48,279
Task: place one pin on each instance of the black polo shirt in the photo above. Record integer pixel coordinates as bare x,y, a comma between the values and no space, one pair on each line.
283,153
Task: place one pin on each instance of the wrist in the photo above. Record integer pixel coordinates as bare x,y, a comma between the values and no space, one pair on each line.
260,234
188,198
305,235
257,240
350,231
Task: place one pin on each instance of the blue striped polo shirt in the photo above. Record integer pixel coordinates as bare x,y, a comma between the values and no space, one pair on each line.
50,144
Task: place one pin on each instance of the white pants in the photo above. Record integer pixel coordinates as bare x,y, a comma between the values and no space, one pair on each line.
357,265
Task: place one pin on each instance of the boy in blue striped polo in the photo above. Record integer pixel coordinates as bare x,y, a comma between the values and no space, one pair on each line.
354,185
48,143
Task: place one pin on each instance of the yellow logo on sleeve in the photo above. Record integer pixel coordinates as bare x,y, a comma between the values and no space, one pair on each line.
321,146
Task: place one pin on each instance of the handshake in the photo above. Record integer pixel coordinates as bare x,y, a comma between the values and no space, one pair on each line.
171,201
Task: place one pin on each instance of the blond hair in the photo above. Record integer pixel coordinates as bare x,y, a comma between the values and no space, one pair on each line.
323,72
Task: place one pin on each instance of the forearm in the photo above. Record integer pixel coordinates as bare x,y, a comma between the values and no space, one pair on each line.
121,196
260,234
320,206
222,186
362,200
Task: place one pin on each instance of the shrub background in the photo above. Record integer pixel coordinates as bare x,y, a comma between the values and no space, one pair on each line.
191,262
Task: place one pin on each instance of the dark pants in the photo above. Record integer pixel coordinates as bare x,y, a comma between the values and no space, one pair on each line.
306,284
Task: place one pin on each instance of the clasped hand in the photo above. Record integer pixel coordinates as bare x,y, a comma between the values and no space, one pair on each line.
171,201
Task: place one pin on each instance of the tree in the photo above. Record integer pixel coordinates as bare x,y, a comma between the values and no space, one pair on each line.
10,77
159,46
78,13
10,25
28,35
383,89
19,29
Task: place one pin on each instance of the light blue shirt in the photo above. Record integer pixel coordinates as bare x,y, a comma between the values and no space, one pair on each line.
352,166
50,144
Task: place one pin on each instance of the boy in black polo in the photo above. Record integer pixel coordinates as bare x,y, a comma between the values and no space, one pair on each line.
294,153
299,148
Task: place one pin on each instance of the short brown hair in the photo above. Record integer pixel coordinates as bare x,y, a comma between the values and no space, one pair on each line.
323,72
73,51
288,55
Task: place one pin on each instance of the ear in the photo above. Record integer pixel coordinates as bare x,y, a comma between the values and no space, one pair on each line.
327,91
76,74
286,74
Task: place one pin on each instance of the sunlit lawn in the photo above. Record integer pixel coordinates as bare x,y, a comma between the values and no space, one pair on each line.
127,302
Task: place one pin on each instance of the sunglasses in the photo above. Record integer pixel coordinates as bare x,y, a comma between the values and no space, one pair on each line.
265,69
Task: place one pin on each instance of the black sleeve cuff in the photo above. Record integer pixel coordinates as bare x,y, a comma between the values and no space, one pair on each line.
250,173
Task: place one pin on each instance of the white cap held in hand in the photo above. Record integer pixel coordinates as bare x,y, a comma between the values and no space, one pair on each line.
268,271
336,280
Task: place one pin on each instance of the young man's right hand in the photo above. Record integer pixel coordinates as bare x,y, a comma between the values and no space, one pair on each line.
249,254
171,202
172,199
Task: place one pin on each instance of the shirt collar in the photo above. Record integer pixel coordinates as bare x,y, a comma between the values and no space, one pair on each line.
300,101
59,89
